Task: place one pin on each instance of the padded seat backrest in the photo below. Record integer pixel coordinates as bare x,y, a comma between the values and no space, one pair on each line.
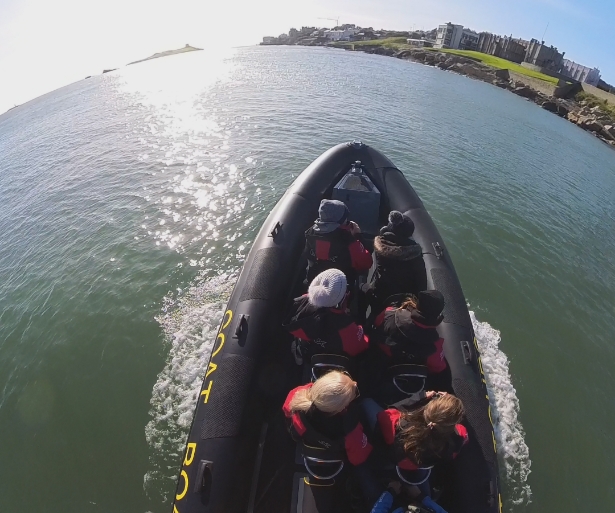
409,379
323,363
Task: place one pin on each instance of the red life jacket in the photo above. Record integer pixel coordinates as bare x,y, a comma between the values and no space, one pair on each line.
406,340
344,435
338,249
391,424
330,330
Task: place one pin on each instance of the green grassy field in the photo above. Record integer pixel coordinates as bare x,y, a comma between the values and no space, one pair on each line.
497,62
398,43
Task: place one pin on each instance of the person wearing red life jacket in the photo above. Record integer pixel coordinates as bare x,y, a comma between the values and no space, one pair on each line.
325,414
411,443
320,321
334,242
407,333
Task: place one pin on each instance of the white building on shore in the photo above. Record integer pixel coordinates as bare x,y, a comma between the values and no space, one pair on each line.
580,73
340,35
449,36
456,37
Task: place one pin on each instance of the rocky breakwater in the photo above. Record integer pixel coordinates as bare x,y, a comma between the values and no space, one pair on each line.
594,120
550,97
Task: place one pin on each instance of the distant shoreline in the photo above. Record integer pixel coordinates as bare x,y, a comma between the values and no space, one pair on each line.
185,49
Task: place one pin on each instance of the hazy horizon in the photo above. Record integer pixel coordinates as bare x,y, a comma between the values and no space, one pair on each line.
45,46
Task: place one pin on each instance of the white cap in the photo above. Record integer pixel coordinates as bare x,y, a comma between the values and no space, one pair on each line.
328,289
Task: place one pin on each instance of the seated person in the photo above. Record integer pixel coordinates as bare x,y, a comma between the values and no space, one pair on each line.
332,242
427,434
385,503
328,407
407,334
320,319
399,259
412,443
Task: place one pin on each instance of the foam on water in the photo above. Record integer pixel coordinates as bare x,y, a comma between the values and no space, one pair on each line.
190,322
513,452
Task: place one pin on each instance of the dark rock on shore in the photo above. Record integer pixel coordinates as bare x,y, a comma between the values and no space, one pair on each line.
562,111
591,125
550,106
526,92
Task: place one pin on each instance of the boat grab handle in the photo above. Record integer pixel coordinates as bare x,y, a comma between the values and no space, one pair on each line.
439,250
466,351
204,476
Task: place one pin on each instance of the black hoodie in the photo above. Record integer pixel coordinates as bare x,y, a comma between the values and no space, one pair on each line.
400,268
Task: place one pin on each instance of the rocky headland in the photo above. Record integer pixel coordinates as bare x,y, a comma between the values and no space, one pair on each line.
567,101
185,49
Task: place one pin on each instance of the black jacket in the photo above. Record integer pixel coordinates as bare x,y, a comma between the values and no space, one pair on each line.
400,269
402,336
329,330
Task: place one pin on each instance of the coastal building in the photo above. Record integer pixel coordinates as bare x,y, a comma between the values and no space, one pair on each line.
269,40
456,37
580,73
419,43
606,86
504,47
448,36
469,40
340,35
543,56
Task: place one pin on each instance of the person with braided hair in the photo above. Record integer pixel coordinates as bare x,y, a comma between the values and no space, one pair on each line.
416,440
409,444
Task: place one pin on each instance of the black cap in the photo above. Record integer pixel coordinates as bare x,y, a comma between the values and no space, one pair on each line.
399,224
431,304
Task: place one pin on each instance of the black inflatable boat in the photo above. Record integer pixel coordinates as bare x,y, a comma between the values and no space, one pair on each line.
239,456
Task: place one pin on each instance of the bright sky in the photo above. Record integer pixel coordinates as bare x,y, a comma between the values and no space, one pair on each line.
47,44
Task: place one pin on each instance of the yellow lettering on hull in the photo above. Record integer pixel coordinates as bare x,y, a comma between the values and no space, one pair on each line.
221,337
228,320
180,496
212,367
207,391
190,451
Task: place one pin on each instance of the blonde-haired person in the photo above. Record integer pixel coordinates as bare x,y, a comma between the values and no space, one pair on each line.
325,413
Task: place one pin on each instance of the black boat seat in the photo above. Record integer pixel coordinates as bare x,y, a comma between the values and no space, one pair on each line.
323,363
409,476
323,470
323,464
316,490
402,386
310,496
361,196
408,378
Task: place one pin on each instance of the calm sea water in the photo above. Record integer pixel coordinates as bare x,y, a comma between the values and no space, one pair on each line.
130,200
